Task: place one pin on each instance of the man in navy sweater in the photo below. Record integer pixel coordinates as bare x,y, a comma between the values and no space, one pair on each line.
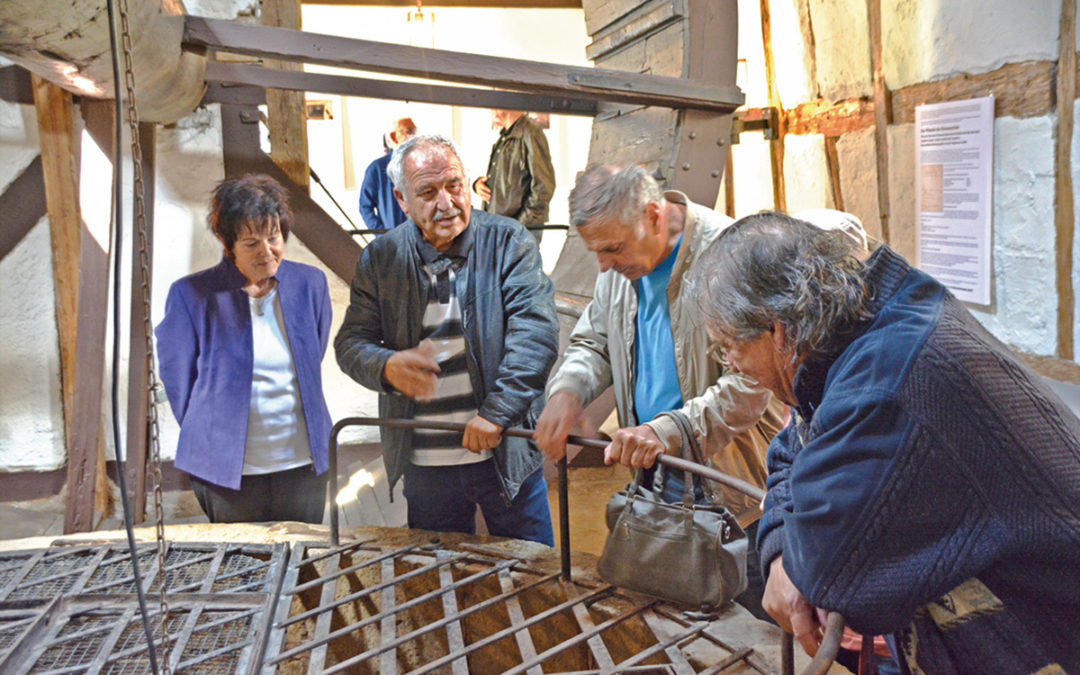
928,485
378,207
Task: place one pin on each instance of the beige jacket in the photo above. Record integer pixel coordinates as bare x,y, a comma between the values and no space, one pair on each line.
734,418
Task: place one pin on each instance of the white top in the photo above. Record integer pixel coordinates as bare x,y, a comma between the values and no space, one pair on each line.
276,433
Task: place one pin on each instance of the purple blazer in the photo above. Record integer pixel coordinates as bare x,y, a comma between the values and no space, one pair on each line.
205,358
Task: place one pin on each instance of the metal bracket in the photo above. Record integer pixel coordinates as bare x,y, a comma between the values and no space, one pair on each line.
765,120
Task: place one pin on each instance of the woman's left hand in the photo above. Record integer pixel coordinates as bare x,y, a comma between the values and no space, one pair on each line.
481,434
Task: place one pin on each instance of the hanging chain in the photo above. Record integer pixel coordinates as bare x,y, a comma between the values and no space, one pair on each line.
151,379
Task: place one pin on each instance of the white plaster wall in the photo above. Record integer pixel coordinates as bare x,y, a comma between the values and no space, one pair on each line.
926,40
842,48
858,177
31,412
1025,302
806,175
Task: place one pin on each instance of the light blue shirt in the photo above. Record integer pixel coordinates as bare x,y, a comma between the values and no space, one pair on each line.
656,384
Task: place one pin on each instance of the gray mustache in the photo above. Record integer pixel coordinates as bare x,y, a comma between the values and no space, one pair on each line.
450,213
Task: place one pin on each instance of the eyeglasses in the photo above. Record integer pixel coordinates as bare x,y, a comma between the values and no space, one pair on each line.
716,353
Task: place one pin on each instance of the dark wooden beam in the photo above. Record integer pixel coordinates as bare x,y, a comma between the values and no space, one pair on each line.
882,115
711,30
1063,179
492,71
23,206
832,163
320,233
138,396
235,73
15,86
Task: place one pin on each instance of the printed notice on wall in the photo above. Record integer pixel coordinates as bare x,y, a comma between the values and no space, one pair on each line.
954,158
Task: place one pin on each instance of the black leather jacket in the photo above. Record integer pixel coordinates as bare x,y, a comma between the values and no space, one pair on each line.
520,174
508,315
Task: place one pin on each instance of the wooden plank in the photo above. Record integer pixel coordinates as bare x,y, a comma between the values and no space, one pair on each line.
882,115
776,144
386,89
23,206
504,73
492,4
729,186
454,636
1063,180
644,20
285,110
59,163
517,618
15,85
832,163
323,235
139,355
1020,90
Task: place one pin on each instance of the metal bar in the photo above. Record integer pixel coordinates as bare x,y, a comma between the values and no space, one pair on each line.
397,609
359,658
830,645
787,654
451,66
731,660
679,664
211,573
596,644
276,635
564,519
454,638
517,617
661,646
349,570
322,625
388,626
217,71
676,463
341,550
331,493
368,591
753,659
577,639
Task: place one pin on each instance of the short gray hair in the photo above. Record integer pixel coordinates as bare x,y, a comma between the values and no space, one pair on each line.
770,267
396,168
607,193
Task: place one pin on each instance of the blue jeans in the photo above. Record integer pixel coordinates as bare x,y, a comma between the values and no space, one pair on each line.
444,499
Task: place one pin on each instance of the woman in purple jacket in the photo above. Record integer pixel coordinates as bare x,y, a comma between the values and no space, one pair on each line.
240,350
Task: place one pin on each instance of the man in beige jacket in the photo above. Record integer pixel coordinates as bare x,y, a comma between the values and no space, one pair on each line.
643,334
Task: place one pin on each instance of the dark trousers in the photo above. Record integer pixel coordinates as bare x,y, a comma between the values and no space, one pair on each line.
296,494
444,499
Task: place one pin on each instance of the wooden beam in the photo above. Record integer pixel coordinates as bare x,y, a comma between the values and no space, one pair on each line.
491,71
832,163
138,397
60,170
882,115
319,232
1063,179
285,110
236,73
776,144
711,30
487,4
23,205
15,86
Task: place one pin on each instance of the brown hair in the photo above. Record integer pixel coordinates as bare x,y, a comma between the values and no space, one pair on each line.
252,200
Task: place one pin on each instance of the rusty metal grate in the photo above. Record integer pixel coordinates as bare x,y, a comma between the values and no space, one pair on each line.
361,609
73,609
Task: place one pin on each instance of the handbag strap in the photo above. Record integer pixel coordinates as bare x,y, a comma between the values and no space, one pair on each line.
689,440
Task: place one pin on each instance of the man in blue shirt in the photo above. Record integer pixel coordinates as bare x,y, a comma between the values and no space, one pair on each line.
378,207
641,334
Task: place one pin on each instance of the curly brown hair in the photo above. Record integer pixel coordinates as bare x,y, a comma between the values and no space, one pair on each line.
252,201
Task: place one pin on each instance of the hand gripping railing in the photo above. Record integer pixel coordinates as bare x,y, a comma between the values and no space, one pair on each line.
830,644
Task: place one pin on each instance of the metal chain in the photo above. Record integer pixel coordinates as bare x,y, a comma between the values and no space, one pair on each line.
144,263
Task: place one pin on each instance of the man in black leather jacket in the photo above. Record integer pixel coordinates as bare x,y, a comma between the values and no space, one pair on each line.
520,179
452,318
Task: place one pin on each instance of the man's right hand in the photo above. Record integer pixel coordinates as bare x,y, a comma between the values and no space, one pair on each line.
413,372
561,414
794,613
481,188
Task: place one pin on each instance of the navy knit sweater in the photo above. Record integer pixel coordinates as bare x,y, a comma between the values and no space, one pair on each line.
929,487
